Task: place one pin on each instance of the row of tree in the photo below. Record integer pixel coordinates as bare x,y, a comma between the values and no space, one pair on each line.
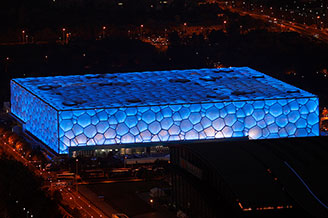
21,193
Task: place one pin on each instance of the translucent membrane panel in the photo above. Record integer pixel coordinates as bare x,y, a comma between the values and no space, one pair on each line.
40,119
256,119
162,106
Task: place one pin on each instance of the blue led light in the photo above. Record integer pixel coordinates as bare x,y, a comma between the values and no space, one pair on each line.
162,106
41,118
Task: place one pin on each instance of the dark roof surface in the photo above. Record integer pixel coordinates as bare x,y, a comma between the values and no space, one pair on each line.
260,172
158,88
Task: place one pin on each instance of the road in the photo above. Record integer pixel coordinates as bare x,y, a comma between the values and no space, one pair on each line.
302,29
76,200
70,197
107,181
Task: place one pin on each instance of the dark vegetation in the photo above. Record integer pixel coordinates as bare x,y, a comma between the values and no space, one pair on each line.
21,191
286,56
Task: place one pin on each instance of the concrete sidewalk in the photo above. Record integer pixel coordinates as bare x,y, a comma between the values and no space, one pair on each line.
98,202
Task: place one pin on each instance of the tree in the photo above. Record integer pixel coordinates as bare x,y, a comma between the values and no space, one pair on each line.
216,36
174,39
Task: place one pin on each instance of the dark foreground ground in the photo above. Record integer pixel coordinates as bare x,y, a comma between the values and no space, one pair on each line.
131,198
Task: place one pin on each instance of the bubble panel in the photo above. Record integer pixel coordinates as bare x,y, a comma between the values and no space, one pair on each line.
149,125
40,118
182,105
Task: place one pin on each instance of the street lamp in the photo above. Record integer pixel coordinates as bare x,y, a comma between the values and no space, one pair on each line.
23,36
318,22
76,171
224,25
72,198
67,37
103,31
151,202
63,30
141,29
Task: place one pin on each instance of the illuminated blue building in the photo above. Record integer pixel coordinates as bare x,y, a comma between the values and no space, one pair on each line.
160,106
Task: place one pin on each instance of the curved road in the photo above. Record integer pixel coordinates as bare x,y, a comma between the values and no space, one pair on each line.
302,29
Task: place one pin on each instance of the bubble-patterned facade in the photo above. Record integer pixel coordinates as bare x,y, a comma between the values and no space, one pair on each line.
162,106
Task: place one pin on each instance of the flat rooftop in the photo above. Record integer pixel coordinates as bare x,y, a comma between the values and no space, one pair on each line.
158,88
258,171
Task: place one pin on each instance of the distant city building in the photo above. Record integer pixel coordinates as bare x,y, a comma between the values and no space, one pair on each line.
160,106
